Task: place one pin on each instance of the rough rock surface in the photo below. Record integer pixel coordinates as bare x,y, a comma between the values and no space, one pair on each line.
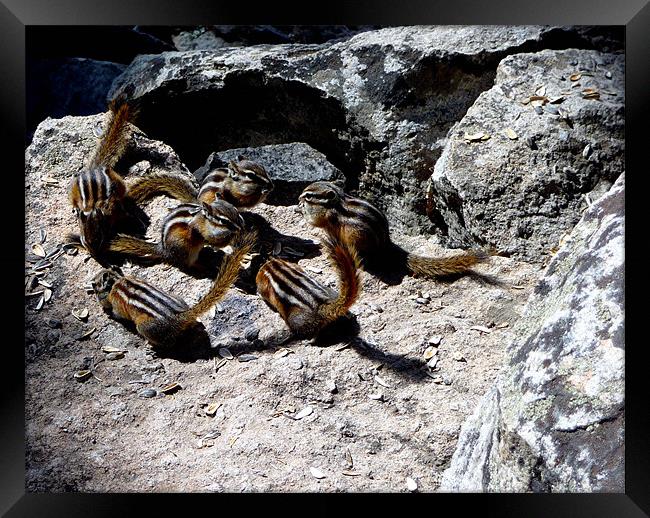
105,435
521,195
555,419
291,166
217,36
198,39
378,105
62,147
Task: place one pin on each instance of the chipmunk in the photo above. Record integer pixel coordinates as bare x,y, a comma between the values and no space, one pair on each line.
185,231
360,224
243,183
161,318
98,194
304,304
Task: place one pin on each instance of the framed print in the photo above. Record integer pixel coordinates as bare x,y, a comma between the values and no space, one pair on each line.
376,250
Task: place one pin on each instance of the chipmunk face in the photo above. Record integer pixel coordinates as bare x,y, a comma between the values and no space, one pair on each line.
93,229
319,200
93,195
223,221
250,181
103,282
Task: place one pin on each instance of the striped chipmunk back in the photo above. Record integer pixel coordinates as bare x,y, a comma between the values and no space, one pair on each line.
143,301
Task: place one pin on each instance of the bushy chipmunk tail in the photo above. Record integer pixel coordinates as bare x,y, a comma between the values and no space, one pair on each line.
134,247
345,260
116,135
228,271
432,267
154,184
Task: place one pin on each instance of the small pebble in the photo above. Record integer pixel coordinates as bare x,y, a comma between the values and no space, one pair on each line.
331,386
608,74
458,356
53,323
531,143
422,300
147,393
152,367
411,484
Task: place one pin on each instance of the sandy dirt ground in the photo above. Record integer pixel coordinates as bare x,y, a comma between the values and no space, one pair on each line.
359,415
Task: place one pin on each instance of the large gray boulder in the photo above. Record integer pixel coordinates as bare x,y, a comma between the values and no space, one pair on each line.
522,193
554,421
292,167
378,105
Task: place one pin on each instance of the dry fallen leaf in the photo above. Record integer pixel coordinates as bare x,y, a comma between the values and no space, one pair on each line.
303,413
212,408
476,137
38,250
281,353
111,349
225,353
430,352
80,314
382,382
170,388
590,93
510,133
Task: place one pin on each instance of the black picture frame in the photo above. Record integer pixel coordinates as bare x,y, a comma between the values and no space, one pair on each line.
16,15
